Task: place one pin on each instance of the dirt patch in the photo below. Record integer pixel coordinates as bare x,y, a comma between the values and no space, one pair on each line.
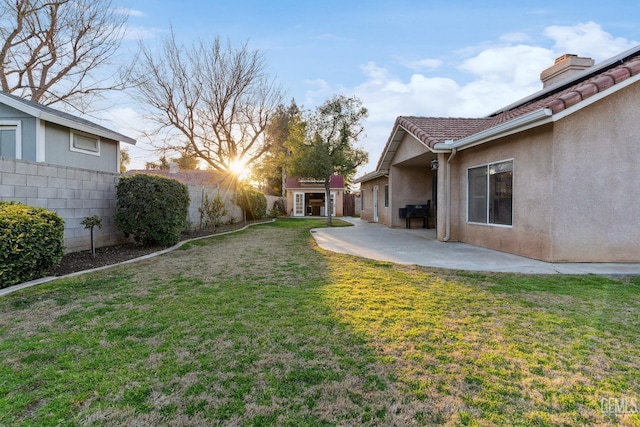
108,255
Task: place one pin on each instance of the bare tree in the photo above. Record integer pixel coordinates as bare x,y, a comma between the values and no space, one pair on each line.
59,51
216,100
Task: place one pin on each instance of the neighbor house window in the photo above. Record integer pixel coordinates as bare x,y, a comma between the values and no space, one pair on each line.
386,195
85,143
491,193
10,140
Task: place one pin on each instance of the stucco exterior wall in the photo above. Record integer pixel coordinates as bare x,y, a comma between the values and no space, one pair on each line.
367,197
596,170
410,149
411,186
529,235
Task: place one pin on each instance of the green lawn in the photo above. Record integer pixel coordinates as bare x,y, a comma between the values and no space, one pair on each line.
264,328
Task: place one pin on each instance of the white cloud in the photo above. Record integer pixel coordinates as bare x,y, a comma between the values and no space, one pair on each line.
500,73
129,12
515,38
134,32
587,39
423,64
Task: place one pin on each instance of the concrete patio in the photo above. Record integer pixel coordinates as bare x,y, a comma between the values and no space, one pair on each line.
420,247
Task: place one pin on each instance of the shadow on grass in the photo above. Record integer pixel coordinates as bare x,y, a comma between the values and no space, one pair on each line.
264,328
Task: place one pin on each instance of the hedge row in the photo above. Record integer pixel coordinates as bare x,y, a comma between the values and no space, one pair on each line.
31,241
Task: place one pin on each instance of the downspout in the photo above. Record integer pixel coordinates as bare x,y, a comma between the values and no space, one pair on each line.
447,218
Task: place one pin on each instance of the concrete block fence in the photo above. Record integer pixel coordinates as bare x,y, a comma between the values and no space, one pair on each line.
75,194
72,193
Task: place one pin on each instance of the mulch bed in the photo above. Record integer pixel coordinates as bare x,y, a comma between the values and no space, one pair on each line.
80,261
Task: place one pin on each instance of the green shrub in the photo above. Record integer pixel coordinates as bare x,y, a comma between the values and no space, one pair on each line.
278,209
31,241
212,211
252,202
152,208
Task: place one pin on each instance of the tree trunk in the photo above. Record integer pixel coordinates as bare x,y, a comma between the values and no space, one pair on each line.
93,245
327,191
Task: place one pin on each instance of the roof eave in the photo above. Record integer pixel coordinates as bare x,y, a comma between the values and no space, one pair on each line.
371,176
52,118
519,124
103,133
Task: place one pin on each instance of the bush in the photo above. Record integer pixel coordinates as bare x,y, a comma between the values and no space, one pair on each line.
278,209
152,208
212,211
31,241
252,202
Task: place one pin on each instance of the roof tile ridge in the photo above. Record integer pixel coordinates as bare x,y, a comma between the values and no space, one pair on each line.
599,83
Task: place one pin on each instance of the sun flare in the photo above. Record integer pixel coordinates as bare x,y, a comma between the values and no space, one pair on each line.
239,168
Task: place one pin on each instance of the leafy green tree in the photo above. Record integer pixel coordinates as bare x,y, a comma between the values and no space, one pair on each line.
125,159
329,147
284,125
252,202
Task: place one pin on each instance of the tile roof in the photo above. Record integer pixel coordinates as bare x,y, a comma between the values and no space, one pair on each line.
189,177
337,181
559,97
432,130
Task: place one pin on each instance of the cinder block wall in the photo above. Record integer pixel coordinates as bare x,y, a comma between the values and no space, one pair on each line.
72,193
196,197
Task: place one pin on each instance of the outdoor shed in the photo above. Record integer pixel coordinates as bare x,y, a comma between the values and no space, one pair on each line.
307,196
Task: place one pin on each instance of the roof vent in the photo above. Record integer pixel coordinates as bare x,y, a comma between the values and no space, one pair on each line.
564,67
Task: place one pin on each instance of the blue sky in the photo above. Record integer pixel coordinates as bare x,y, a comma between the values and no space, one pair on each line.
401,57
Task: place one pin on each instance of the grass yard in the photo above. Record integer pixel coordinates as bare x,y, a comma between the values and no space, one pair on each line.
263,328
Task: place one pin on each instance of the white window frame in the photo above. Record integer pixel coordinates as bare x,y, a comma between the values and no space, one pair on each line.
333,196
298,205
17,126
488,181
72,146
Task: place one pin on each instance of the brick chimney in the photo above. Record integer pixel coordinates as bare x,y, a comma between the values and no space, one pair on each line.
564,67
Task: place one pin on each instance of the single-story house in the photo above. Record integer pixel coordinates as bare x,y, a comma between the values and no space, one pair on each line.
33,132
307,196
554,176
63,163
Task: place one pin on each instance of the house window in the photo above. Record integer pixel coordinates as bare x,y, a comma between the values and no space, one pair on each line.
490,196
11,139
386,195
85,143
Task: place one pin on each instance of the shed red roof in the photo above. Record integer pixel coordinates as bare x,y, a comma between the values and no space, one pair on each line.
337,181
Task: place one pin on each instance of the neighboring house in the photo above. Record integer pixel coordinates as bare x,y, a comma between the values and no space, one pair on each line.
35,133
60,162
554,176
307,196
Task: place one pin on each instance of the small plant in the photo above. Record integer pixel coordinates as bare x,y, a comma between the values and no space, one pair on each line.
274,212
212,211
90,222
